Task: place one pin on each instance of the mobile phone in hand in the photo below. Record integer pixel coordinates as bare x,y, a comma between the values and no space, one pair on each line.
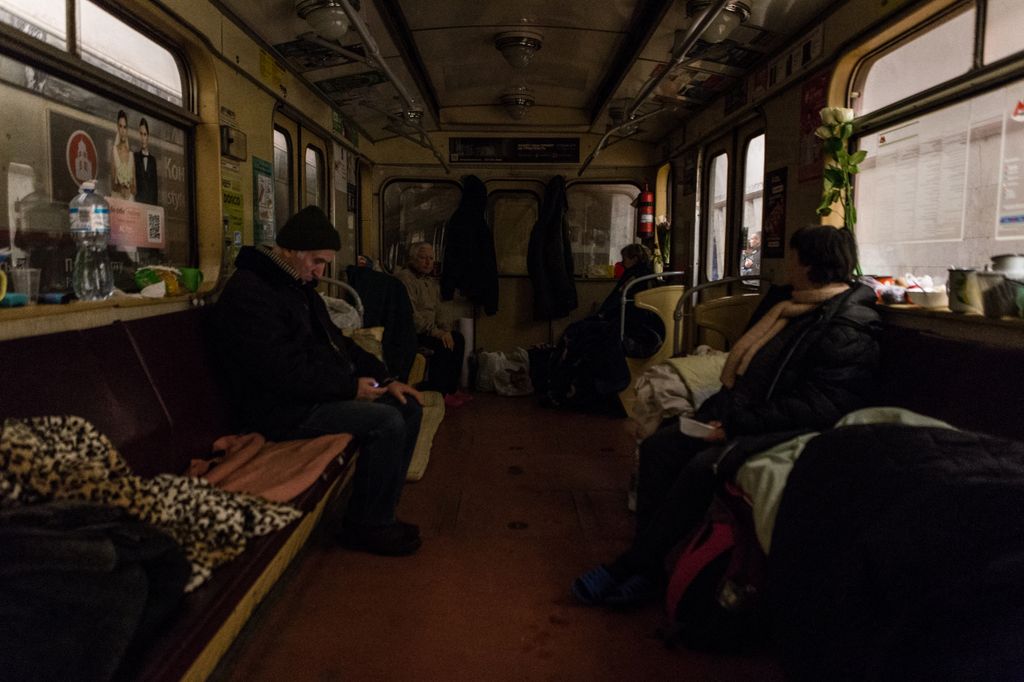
384,382
694,428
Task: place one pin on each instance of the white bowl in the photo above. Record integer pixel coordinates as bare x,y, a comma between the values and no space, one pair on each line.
928,299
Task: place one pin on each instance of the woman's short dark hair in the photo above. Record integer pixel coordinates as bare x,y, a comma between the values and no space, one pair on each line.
829,253
638,251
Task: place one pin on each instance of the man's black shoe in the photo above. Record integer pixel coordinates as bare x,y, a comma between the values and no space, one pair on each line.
411,529
390,540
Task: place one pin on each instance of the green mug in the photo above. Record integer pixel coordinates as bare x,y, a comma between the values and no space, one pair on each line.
191,278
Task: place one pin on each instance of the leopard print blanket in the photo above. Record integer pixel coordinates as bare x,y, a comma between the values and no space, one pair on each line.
67,458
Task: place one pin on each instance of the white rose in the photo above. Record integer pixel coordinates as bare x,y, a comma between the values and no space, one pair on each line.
843,115
824,132
827,116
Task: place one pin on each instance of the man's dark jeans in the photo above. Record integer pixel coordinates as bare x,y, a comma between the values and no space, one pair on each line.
385,431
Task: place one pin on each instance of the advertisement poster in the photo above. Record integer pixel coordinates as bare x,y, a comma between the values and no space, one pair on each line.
1011,186
135,225
138,165
231,200
264,229
813,99
773,232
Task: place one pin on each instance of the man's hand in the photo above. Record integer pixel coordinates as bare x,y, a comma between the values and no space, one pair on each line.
718,435
367,389
400,390
446,338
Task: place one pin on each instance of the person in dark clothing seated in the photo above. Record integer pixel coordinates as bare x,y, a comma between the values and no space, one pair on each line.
809,360
434,325
636,262
294,375
588,366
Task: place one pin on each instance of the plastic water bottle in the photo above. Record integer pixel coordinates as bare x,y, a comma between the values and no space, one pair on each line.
89,214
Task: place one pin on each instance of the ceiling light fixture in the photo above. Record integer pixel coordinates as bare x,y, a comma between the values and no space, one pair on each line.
517,100
731,16
518,47
326,17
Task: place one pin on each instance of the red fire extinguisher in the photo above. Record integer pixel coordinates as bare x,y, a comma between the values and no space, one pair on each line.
645,228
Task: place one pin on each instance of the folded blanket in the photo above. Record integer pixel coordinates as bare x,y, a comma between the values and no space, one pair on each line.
275,471
676,387
43,459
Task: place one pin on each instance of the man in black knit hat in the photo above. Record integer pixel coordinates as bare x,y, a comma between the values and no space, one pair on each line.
294,375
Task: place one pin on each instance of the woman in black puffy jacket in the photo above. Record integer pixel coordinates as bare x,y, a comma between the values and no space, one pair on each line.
809,360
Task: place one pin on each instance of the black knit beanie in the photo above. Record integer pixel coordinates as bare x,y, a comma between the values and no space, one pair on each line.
309,230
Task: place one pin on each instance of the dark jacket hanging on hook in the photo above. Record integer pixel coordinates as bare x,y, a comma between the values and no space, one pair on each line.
549,256
469,263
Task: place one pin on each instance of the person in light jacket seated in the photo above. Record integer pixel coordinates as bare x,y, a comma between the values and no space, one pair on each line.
434,328
807,361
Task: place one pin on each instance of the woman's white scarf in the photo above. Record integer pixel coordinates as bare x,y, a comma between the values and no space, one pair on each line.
744,350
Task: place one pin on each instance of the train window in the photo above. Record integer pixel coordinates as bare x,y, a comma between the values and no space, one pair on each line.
718,192
415,212
939,188
282,176
753,190
663,212
934,191
511,215
111,45
602,220
314,177
1003,20
65,135
104,41
45,20
927,59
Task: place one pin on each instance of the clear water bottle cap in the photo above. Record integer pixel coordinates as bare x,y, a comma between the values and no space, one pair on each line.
88,186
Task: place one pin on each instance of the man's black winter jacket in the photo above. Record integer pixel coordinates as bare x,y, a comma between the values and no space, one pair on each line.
281,352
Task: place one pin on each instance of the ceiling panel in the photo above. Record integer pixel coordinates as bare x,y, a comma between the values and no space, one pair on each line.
455,63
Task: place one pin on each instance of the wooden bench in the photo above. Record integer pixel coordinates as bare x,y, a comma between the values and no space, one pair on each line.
153,387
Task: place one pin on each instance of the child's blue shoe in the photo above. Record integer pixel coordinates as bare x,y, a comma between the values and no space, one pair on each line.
636,590
591,587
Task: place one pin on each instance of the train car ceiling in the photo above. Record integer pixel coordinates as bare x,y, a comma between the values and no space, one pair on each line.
572,67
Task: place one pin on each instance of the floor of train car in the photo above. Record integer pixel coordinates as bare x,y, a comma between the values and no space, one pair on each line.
517,500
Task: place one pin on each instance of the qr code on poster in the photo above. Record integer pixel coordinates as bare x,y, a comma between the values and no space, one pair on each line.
154,228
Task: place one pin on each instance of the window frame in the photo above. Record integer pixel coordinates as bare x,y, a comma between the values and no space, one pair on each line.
381,209
707,214
607,181
321,170
289,179
66,63
742,200
979,80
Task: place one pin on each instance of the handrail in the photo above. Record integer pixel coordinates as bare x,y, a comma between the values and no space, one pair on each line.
625,295
373,57
348,288
603,142
689,296
695,30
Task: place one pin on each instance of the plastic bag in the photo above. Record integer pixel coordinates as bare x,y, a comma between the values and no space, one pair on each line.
504,374
513,374
343,314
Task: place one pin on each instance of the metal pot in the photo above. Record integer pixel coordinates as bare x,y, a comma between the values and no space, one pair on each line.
1010,264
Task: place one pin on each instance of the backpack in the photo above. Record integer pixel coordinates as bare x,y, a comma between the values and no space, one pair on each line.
587,368
716,577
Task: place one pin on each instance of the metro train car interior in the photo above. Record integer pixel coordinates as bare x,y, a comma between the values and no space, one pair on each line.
707,317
